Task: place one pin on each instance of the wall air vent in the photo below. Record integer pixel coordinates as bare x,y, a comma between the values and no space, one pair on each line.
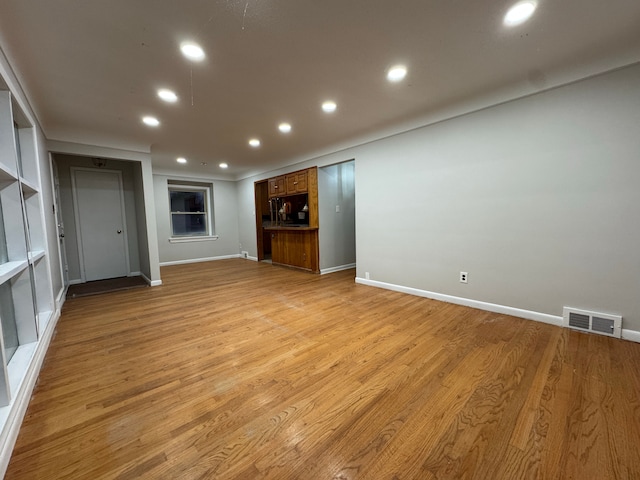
601,323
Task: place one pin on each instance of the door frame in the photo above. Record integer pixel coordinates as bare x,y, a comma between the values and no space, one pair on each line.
76,216
259,188
62,247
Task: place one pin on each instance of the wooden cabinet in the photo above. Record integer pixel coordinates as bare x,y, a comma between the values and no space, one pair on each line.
277,186
296,182
295,248
290,184
292,244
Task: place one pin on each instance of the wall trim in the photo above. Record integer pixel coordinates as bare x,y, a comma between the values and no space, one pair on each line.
152,283
631,335
75,281
61,297
20,401
253,259
491,307
198,260
339,268
134,274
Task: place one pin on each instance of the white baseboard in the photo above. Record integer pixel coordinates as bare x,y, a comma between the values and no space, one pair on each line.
134,274
152,283
339,268
20,399
253,259
490,307
75,281
631,335
61,297
198,260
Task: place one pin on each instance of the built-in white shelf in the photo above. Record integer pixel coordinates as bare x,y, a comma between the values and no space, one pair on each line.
43,319
28,188
5,175
35,255
19,365
9,270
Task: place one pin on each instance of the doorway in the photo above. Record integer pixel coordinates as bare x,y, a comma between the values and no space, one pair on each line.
263,239
98,199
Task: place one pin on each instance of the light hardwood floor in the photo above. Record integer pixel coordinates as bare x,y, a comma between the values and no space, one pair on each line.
240,370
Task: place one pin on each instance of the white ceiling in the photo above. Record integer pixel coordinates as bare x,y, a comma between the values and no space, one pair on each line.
92,68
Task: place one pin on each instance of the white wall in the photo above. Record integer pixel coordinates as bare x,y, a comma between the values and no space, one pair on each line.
225,221
65,162
245,201
336,188
141,227
538,199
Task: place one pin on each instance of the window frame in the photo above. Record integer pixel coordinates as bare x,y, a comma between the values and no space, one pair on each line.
208,214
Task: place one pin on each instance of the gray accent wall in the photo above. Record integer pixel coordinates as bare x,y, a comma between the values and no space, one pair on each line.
64,163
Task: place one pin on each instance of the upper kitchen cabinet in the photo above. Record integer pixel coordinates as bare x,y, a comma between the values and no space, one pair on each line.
277,186
293,183
296,182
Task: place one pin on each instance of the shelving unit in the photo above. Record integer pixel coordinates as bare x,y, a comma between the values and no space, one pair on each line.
25,306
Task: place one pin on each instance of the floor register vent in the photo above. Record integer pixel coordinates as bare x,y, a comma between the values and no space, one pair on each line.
601,323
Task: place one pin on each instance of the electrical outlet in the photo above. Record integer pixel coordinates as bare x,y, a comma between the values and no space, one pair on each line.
337,208
366,275
245,254
464,277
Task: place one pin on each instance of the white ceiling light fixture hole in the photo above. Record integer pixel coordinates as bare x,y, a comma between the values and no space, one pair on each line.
150,121
224,165
329,106
192,51
167,95
181,160
254,142
520,13
397,73
284,127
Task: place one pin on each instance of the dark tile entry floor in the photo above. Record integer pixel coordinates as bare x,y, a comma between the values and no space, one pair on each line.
103,286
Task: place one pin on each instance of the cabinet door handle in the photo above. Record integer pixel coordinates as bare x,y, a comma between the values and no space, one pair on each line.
295,183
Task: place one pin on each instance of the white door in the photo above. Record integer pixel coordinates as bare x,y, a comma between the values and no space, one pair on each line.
100,223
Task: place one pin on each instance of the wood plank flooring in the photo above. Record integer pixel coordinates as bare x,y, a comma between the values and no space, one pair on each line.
239,370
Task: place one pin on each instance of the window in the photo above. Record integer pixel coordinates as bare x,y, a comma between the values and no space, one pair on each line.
190,207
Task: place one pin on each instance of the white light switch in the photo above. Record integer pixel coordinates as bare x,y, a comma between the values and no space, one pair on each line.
337,208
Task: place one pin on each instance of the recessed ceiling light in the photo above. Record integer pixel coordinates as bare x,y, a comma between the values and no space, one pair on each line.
254,142
204,164
520,13
151,121
396,73
284,127
181,160
192,51
167,95
329,106
224,165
